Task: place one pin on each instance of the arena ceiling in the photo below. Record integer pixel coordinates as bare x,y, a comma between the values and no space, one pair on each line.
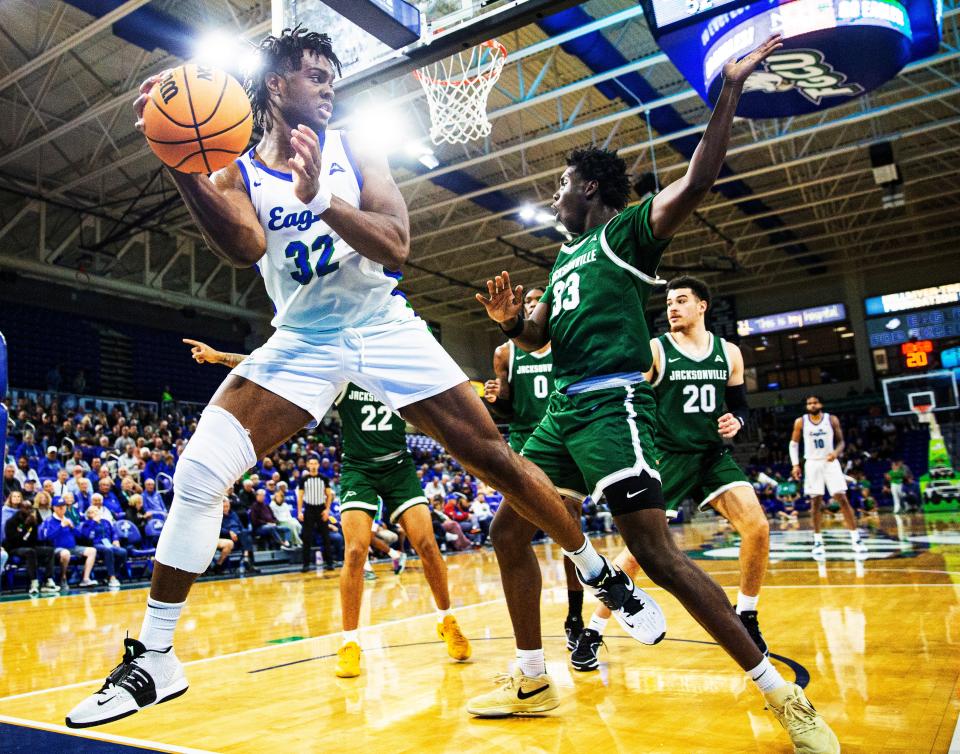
84,202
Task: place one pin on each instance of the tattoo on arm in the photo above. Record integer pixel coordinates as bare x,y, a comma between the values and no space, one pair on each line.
232,359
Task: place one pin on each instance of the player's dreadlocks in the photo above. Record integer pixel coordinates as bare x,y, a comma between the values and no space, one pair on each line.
608,170
281,55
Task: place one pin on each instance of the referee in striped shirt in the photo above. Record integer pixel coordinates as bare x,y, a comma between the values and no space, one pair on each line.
313,510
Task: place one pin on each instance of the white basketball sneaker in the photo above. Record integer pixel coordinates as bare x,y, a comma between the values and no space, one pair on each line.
635,610
145,677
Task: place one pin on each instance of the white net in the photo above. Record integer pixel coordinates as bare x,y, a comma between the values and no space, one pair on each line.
457,89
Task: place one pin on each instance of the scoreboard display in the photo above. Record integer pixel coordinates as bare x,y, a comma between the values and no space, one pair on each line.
929,324
833,50
666,14
917,354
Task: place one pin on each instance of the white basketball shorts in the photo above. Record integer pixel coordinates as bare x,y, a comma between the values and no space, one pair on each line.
401,363
820,474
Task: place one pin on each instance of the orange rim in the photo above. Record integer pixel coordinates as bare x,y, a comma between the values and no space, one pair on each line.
491,44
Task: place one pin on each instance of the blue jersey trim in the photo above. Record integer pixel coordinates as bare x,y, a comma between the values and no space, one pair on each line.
603,382
270,171
246,178
396,275
353,163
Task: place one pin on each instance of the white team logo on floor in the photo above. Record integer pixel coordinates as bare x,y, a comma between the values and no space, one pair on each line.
796,545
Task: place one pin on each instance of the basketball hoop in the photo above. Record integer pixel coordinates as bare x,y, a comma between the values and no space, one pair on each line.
457,89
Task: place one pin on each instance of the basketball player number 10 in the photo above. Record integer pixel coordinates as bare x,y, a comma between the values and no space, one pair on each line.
298,251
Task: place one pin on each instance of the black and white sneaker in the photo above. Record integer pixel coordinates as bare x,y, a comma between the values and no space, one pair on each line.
585,655
144,678
749,620
635,610
572,626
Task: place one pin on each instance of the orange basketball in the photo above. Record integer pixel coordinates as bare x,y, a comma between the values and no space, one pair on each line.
197,119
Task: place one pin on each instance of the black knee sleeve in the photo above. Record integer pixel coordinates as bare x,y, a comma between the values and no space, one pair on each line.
635,493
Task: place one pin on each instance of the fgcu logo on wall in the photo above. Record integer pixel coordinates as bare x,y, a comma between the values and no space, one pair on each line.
803,71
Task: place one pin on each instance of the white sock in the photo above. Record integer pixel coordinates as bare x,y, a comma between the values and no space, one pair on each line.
394,554
854,536
367,566
598,624
353,636
586,559
159,622
441,614
745,603
531,662
766,676
817,538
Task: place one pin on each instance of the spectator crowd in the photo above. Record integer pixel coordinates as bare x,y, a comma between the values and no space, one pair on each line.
83,489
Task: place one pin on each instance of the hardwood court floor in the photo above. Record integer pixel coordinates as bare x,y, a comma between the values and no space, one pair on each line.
879,639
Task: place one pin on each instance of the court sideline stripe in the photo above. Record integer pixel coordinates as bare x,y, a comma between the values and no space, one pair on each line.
270,647
108,737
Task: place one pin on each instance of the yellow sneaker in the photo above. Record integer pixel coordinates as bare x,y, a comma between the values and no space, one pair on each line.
348,660
516,694
808,731
458,647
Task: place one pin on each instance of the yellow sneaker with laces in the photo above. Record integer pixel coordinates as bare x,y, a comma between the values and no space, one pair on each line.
348,660
458,647
516,694
807,729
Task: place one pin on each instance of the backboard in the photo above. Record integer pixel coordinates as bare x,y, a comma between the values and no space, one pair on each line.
903,395
446,27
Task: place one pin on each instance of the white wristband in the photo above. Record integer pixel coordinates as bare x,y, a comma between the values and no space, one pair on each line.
321,202
794,453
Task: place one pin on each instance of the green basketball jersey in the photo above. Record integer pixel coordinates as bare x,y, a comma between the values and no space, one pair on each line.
531,382
597,295
690,394
370,429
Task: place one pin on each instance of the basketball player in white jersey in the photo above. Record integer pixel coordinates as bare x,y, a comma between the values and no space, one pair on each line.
328,230
822,448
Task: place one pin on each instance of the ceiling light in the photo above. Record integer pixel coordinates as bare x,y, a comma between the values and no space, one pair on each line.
544,217
429,160
847,335
218,50
527,212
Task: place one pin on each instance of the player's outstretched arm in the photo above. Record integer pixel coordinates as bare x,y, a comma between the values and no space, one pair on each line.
219,205
672,206
380,229
204,354
505,307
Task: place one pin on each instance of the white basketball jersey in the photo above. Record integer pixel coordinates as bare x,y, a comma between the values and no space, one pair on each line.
315,280
817,438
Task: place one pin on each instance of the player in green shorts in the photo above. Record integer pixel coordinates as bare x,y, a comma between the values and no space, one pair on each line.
520,391
598,432
694,374
376,466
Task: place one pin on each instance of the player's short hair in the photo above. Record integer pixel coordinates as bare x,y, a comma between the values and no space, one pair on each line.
815,396
608,170
283,54
700,289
